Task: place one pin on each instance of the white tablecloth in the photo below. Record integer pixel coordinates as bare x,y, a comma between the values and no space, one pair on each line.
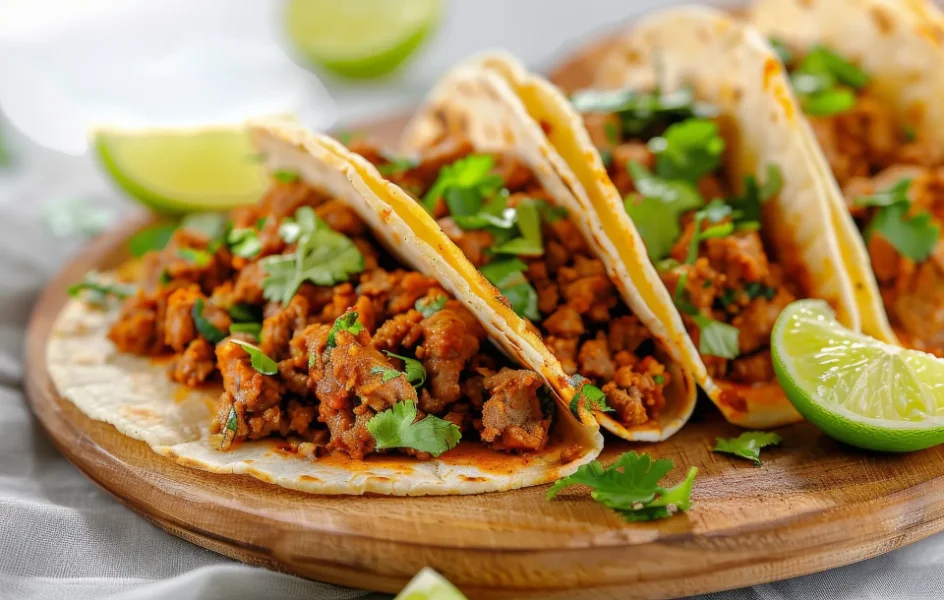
63,538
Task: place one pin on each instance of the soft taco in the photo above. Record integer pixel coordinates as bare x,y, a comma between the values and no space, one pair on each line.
691,128
475,170
869,76
316,342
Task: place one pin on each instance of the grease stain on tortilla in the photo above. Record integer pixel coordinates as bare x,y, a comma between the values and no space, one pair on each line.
308,478
181,394
883,21
771,70
140,412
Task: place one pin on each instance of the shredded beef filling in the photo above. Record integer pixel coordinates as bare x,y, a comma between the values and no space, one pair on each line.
322,395
581,317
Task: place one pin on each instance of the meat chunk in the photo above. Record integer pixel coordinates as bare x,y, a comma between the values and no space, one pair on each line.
450,340
512,417
249,388
278,329
195,365
139,328
472,242
595,359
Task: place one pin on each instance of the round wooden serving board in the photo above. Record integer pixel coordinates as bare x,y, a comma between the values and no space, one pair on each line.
814,504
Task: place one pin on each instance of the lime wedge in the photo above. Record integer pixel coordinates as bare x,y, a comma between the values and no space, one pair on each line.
359,38
175,172
857,389
429,585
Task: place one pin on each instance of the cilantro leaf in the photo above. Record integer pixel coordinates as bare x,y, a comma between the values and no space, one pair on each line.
346,322
470,181
415,371
594,397
207,330
823,80
630,486
285,176
896,194
394,428
253,329
151,239
755,289
245,313
428,307
229,430
506,275
658,207
772,185
688,150
823,60
200,258
396,164
260,362
386,373
783,52
748,444
716,338
828,102
913,238
323,257
244,242
641,112
97,292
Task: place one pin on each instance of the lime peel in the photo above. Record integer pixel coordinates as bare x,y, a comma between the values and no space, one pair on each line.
857,389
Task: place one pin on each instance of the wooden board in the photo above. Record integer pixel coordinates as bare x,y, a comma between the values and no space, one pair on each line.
814,505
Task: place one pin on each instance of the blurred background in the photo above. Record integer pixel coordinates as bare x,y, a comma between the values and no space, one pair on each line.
66,66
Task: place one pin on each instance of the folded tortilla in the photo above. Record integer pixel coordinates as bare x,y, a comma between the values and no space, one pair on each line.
900,45
732,68
481,106
135,395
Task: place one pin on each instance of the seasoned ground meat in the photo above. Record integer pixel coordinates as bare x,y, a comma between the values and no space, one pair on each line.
512,418
450,340
195,365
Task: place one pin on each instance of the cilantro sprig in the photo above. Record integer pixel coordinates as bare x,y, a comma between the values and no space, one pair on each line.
396,164
658,207
913,237
244,242
688,150
630,486
346,322
414,370
259,360
97,292
204,327
322,256
642,112
506,274
430,306
748,445
464,185
395,428
594,398
826,82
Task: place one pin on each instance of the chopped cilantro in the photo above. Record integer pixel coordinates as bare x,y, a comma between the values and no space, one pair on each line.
607,157
285,176
748,444
386,373
464,185
506,275
206,329
594,397
759,290
688,150
312,359
97,292
260,362
772,185
642,112
430,306
913,237
323,257
630,486
550,212
345,137
395,428
896,194
517,231
151,239
828,102
346,322
396,164
229,430
244,242
245,313
909,132
609,130
658,379
253,329
823,80
657,208
200,258
415,371
783,52
728,297
716,338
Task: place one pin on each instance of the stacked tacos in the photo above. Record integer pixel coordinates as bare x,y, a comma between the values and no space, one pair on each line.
477,170
693,130
338,351
869,77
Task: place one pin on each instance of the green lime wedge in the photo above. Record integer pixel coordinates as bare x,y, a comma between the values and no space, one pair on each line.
174,172
857,389
429,585
360,38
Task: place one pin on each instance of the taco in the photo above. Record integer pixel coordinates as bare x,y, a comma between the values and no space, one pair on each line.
316,342
869,78
475,170
691,128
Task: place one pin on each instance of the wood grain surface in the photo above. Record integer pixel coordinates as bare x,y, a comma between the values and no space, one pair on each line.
814,504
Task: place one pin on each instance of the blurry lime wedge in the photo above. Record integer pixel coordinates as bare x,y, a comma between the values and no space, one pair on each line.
359,38
176,172
429,585
857,389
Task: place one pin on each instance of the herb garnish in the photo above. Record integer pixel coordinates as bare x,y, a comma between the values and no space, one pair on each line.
396,164
253,329
430,306
630,486
415,371
244,242
823,80
395,428
506,275
97,292
748,444
657,208
200,258
642,112
322,256
464,185
260,362
783,52
151,239
913,237
285,176
346,322
688,150
594,396
245,313
207,330
229,430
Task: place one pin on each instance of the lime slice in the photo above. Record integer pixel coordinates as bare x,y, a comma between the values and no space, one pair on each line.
857,389
429,585
176,172
360,38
